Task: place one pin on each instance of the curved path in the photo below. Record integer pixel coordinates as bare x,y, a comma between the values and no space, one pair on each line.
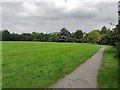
84,76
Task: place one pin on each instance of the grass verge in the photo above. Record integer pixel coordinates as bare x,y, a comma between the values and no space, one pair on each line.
108,72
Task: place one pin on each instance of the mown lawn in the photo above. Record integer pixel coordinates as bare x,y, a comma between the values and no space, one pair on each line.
108,73
38,65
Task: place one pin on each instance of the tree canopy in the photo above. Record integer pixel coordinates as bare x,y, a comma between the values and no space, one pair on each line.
78,35
94,37
104,36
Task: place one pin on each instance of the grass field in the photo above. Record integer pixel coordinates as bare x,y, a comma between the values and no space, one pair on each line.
108,73
38,65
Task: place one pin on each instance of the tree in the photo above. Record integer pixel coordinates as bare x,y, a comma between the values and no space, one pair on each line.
109,38
118,42
15,37
53,36
78,35
6,36
25,37
47,36
97,31
0,35
64,35
94,37
103,30
84,39
34,36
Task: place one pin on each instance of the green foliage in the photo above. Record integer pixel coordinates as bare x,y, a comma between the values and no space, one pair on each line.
25,37
103,30
53,37
108,73
64,35
38,65
94,37
78,35
6,36
15,37
104,36
118,40
0,35
109,37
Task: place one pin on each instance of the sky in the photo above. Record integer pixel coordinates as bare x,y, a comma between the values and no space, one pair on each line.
52,15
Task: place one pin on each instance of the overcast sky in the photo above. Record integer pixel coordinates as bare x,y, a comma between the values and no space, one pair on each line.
52,15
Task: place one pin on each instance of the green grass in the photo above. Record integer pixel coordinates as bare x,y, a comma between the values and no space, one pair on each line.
108,73
38,65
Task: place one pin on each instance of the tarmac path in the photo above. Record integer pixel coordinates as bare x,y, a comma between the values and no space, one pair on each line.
84,76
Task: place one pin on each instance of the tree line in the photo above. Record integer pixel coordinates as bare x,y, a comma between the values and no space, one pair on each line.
104,36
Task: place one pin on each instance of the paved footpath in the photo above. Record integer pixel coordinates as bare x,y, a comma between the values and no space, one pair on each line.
84,76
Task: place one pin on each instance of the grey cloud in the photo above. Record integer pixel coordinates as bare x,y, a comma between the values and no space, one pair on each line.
55,18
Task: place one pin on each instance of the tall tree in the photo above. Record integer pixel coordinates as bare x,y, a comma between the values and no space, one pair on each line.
6,36
64,35
118,34
103,30
78,35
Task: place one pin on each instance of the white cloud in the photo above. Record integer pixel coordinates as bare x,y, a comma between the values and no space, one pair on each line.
28,9
52,9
